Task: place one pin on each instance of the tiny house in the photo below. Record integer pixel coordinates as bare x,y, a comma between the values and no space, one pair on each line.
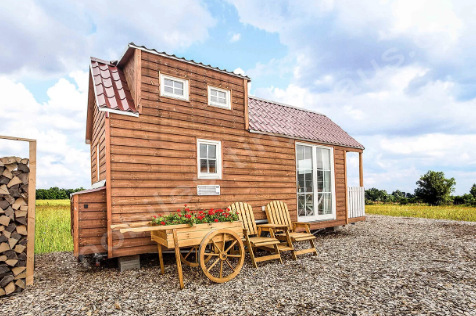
165,131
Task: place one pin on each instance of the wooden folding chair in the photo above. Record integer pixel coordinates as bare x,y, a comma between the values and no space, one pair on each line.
278,213
252,234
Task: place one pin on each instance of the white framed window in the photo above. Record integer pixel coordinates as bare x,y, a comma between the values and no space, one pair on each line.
315,182
209,159
174,87
219,97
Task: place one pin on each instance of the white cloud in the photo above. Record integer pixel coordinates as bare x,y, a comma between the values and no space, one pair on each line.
235,37
57,125
51,39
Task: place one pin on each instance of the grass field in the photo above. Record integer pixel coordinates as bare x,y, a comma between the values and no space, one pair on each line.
53,220
457,213
53,230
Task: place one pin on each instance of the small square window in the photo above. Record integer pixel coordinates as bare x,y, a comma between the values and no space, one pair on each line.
219,97
209,159
173,87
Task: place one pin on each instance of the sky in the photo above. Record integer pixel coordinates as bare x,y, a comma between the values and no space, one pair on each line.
398,76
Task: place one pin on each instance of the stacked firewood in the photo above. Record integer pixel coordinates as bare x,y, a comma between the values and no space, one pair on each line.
14,174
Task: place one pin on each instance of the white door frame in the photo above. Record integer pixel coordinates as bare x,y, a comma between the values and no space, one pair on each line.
317,217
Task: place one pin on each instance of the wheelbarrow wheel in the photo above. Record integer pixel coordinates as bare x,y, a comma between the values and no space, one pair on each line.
191,257
227,255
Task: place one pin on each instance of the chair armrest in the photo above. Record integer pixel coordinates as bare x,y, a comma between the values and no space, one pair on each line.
306,225
272,226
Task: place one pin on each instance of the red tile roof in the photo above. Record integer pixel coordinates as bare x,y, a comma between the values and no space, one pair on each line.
275,118
110,87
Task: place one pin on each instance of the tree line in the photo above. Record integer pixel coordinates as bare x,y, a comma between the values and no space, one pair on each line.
432,188
55,193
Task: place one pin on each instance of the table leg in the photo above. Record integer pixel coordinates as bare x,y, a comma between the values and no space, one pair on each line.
161,259
177,258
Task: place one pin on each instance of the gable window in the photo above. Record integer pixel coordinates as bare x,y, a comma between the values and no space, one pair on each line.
219,97
173,87
209,159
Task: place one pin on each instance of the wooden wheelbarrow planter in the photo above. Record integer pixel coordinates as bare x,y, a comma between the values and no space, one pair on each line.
216,247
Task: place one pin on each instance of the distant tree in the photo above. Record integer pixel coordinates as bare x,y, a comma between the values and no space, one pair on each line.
433,188
55,193
473,190
399,195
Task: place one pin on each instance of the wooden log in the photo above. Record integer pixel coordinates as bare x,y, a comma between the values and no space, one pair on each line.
7,174
5,280
4,269
2,292
20,248
3,179
21,220
8,160
2,228
11,166
22,230
11,254
14,181
21,212
23,177
20,283
10,228
9,199
22,256
11,262
10,288
4,190
15,191
23,168
12,242
3,238
4,204
24,161
6,233
10,213
4,220
24,188
18,203
3,258
21,275
17,270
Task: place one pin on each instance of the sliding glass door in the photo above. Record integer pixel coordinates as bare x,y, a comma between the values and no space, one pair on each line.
315,182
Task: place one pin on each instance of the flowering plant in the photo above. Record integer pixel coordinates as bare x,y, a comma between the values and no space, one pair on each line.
186,216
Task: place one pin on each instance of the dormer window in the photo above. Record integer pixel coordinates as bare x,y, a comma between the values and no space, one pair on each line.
219,97
173,87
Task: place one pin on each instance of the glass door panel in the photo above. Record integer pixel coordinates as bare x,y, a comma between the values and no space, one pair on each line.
305,181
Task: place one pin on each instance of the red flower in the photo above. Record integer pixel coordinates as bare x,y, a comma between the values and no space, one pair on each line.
185,205
228,209
216,220
180,215
210,212
178,210
201,212
155,216
162,223
187,209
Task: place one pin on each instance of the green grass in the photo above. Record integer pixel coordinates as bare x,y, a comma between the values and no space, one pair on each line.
53,230
457,213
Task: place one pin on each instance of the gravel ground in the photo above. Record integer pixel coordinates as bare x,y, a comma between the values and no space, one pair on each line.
383,266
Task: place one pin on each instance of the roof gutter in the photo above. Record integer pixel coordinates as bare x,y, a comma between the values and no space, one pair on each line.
304,139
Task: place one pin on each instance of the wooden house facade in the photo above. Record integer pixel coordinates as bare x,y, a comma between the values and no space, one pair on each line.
165,131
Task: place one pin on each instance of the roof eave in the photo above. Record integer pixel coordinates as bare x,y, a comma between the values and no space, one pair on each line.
305,139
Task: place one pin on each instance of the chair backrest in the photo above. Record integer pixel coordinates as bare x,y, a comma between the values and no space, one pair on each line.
277,213
245,213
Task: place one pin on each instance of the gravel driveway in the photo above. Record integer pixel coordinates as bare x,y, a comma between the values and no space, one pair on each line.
386,265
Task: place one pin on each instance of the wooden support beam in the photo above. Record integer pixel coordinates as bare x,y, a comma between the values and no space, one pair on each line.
346,190
138,79
245,96
361,170
108,185
30,259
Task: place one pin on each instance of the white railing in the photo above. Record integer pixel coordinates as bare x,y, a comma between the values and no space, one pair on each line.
356,201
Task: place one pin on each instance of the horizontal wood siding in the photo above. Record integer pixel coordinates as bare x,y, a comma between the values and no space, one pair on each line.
91,219
154,156
99,137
